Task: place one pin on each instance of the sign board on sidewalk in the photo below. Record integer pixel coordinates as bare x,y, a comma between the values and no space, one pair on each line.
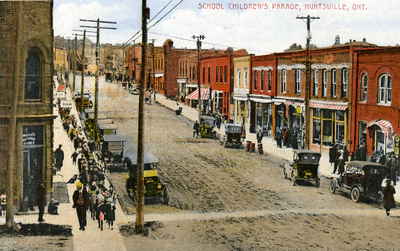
397,145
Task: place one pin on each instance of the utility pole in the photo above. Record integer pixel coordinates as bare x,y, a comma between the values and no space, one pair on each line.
74,64
153,71
96,89
308,82
12,157
83,70
139,224
199,38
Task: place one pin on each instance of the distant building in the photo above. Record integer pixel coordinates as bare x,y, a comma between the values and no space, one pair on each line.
26,58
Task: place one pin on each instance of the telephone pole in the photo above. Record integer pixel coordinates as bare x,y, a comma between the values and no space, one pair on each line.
308,83
153,71
74,64
199,39
96,89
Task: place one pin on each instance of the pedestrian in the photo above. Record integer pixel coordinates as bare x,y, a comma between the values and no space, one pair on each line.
41,200
278,137
259,136
196,128
59,156
76,143
74,156
80,203
388,198
340,162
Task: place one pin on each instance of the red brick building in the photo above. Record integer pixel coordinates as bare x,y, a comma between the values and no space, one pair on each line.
262,91
216,74
375,99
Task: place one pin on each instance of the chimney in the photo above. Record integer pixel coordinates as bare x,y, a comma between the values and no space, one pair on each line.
364,40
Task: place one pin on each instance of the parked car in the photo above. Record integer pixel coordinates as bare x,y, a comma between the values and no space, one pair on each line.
304,167
361,179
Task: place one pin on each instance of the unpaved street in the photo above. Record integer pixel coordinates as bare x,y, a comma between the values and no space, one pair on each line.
203,176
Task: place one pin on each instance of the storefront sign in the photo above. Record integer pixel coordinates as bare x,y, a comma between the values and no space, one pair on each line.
298,109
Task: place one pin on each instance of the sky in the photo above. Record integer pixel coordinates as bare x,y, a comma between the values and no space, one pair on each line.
272,27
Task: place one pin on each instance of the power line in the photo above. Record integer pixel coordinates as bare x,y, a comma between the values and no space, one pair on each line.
158,21
139,31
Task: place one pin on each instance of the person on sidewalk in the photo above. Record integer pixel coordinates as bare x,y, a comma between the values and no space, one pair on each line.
196,128
74,156
59,156
388,196
41,201
278,138
80,202
260,136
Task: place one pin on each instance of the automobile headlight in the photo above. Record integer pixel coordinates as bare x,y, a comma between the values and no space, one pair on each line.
159,186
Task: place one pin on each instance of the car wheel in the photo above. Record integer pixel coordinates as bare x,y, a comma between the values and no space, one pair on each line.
317,183
165,197
355,194
332,186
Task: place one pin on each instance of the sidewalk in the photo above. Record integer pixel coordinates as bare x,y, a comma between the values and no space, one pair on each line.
269,144
92,238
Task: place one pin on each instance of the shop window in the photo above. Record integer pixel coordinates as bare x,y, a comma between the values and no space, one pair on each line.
333,83
283,79
364,87
324,82
314,74
216,73
262,80
345,82
238,79
33,76
385,89
316,130
269,80
297,77
204,75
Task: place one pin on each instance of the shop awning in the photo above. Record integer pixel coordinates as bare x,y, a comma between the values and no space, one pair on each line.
261,100
195,95
61,88
290,102
385,125
325,105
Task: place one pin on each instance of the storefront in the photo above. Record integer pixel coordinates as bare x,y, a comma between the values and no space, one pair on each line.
328,125
262,116
241,110
182,90
381,136
281,120
218,101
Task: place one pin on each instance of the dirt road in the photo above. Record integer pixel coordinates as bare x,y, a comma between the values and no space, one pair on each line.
203,176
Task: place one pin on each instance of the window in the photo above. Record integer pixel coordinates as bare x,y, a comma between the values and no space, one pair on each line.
262,80
314,76
333,83
345,82
269,80
324,82
255,80
216,73
204,74
225,73
385,89
297,79
221,79
238,78
364,87
245,78
209,74
283,81
33,75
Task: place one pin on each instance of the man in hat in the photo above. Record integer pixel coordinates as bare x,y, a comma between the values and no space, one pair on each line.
59,156
81,201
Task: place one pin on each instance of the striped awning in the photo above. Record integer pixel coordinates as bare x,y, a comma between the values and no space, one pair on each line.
330,106
195,94
61,88
385,125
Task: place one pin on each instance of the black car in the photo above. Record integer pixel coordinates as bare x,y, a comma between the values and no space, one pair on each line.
361,179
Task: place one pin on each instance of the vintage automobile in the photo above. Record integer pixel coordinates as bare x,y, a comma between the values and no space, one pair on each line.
154,188
87,102
113,146
233,135
361,179
207,127
107,129
304,167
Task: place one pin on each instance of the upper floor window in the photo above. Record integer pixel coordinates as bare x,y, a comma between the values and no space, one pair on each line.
333,83
283,79
33,76
209,74
255,80
314,75
262,80
269,80
345,82
385,89
245,78
364,87
297,79
221,79
216,73
225,73
238,78
324,83
204,74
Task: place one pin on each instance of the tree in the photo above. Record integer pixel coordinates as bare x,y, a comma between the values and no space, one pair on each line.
294,47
